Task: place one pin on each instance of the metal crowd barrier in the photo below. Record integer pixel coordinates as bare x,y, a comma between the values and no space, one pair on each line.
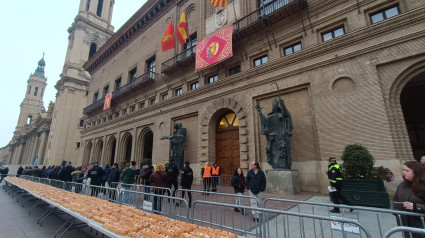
57,183
385,218
393,230
259,228
172,207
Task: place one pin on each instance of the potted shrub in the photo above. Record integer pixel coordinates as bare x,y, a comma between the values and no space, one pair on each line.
364,183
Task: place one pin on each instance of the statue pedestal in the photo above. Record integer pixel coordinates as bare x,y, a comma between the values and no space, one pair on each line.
282,182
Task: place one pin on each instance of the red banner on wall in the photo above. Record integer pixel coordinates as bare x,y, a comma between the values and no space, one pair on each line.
214,48
107,103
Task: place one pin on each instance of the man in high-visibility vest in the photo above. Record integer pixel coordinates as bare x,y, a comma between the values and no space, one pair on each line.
335,179
215,176
206,174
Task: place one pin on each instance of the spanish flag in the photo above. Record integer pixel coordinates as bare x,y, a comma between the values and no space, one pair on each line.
219,3
182,33
168,38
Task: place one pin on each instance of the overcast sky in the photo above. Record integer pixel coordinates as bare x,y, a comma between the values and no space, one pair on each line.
29,28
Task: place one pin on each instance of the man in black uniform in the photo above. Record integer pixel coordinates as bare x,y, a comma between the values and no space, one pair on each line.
95,173
187,180
173,173
335,179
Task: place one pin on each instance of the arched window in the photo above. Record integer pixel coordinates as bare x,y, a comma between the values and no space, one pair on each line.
99,8
93,48
35,91
228,122
29,119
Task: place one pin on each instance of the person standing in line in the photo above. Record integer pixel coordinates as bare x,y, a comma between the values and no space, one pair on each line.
423,160
159,180
256,184
95,174
187,180
128,179
410,196
239,185
173,173
19,173
146,174
206,175
335,179
215,176
113,180
3,172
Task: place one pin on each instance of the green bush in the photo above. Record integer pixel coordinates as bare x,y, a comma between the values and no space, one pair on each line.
358,162
147,161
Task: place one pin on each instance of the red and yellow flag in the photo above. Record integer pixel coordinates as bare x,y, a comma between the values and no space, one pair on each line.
182,34
107,103
214,48
168,38
219,3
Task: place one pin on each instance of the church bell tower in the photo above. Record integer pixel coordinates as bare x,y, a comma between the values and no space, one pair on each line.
89,31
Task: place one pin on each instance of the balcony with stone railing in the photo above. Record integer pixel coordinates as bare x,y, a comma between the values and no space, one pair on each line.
181,60
130,87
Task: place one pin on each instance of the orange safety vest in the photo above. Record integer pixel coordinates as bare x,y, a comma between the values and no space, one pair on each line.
216,171
207,172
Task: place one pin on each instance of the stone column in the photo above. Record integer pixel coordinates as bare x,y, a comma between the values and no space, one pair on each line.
42,147
10,156
34,148
27,148
102,154
19,154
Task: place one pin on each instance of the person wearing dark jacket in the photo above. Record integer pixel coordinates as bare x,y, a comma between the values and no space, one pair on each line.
3,172
77,177
36,172
158,179
146,173
256,184
335,179
65,174
106,171
187,180
113,179
239,185
410,196
19,173
95,174
173,173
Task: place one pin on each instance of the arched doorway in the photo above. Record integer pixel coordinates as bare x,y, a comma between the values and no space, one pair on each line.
97,153
411,100
227,143
112,149
87,153
127,148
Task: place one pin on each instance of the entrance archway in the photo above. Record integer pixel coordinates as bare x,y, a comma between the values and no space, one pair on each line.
411,100
97,153
87,153
110,148
127,147
227,143
144,146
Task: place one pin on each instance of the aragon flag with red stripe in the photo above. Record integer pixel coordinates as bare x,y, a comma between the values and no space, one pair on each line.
168,38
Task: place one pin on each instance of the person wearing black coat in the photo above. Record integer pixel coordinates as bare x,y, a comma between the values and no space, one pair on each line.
113,180
19,173
256,184
173,173
187,180
95,173
146,173
65,174
239,185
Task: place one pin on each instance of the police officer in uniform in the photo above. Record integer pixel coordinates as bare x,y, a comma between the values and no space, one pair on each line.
173,173
95,173
335,179
187,180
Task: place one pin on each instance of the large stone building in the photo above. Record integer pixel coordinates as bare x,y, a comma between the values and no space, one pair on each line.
30,137
349,72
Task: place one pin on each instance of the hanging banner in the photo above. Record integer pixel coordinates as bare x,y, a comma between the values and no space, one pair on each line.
214,48
35,160
107,103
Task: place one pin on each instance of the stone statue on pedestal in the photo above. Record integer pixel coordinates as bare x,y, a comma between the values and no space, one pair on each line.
277,126
177,144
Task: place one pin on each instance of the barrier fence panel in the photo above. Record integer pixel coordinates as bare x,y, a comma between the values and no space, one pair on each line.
411,230
264,227
57,183
157,202
75,187
105,193
376,220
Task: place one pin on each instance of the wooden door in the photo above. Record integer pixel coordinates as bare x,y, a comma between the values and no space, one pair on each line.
227,151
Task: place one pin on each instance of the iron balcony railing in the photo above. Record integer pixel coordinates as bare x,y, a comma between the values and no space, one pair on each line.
182,59
130,86
267,13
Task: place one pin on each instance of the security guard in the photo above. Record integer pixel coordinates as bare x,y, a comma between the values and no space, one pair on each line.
215,176
335,179
206,174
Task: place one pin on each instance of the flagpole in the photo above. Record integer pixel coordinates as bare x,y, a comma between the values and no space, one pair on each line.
175,45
